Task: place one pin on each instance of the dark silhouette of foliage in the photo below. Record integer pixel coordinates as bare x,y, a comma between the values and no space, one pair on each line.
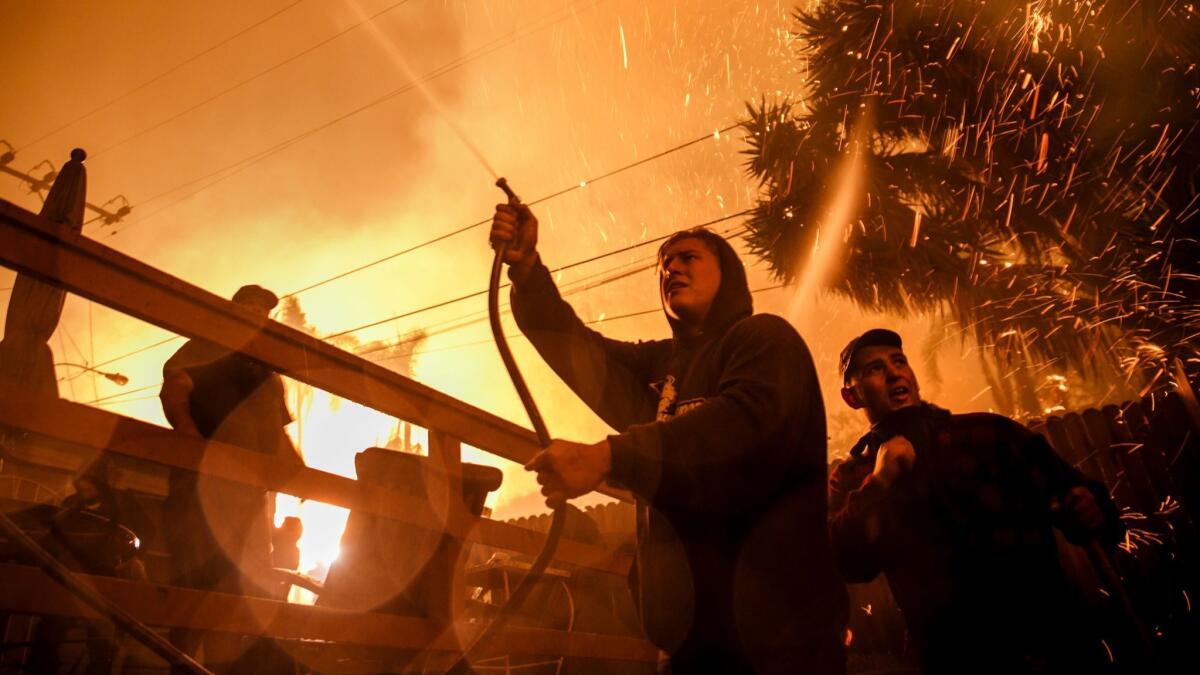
1032,171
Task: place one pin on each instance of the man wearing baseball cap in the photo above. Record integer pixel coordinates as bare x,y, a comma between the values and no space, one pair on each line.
219,532
958,511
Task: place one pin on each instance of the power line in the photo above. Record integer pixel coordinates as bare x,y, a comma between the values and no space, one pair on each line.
123,393
728,235
341,275
572,188
128,400
464,321
558,269
246,162
139,350
248,80
444,303
461,346
592,322
472,318
475,317
161,75
572,287
36,185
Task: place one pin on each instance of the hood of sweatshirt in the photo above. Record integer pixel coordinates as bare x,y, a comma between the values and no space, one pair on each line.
732,303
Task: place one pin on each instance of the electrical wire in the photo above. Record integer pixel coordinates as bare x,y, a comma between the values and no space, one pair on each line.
732,233
163,74
424,244
568,289
451,301
139,350
592,322
248,80
236,167
122,394
175,338
466,320
127,400
461,322
553,195
263,154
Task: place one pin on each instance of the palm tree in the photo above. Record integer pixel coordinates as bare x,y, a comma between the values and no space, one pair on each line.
1031,172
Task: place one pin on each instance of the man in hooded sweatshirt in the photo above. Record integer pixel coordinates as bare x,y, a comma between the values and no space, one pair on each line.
722,440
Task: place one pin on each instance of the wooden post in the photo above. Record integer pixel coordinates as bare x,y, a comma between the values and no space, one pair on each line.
34,306
449,501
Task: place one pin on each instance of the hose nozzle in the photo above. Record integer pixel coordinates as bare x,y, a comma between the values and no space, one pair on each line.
502,183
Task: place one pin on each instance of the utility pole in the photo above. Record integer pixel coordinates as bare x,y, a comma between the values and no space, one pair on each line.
109,213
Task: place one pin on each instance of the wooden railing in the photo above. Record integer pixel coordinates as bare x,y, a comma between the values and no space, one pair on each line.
54,254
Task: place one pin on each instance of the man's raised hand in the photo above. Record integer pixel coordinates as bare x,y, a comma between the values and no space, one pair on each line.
517,226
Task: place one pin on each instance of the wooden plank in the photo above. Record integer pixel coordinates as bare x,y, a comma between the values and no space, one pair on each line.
445,452
55,254
102,430
27,590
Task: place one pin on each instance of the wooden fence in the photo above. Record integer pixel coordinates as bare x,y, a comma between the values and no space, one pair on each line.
54,254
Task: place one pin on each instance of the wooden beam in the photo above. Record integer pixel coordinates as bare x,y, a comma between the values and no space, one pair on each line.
28,590
105,431
445,454
54,254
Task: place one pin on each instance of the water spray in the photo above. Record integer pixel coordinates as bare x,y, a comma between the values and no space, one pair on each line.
539,426
523,589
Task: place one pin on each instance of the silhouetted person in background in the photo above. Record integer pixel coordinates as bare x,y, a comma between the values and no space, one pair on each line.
959,511
285,549
219,531
285,543
722,440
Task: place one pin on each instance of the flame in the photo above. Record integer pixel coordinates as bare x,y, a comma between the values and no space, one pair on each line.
329,432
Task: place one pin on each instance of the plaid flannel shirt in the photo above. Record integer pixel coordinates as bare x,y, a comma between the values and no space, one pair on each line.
966,538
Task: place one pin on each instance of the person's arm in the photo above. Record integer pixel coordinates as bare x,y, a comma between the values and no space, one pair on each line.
287,450
856,501
608,375
1084,505
175,396
710,459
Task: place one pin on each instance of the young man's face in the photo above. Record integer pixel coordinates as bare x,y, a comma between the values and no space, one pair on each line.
883,382
691,276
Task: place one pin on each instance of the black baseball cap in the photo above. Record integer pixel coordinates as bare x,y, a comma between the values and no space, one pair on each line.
876,337
256,293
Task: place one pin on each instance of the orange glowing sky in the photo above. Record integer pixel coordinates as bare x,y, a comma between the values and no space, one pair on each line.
552,92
